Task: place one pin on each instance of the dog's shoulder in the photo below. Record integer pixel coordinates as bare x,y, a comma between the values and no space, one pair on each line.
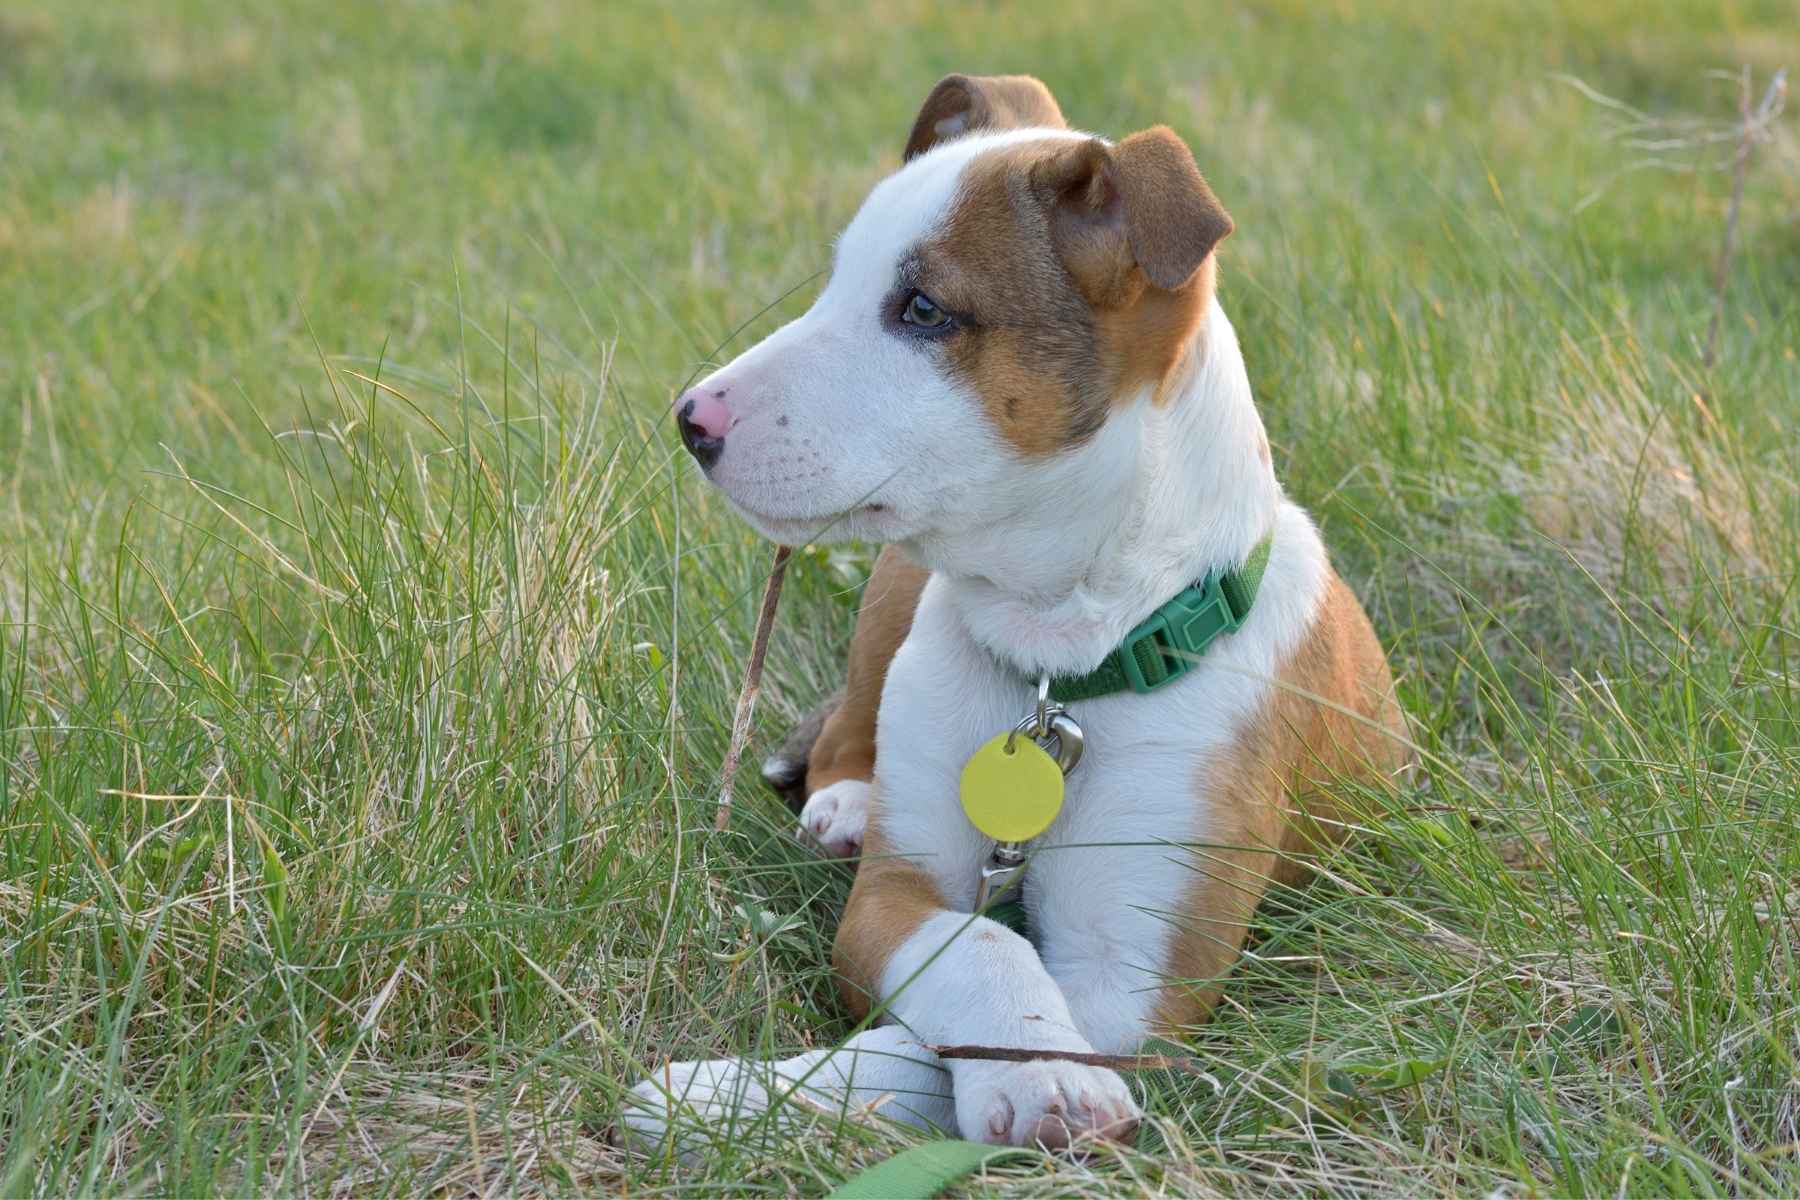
1329,721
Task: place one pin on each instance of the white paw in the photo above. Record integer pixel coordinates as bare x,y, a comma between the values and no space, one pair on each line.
704,1104
694,1098
1044,1103
834,817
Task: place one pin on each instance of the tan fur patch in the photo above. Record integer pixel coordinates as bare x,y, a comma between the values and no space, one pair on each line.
1148,343
1332,720
845,748
890,899
1058,322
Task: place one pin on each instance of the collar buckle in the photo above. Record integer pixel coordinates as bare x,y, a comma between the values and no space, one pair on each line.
1163,648
1165,645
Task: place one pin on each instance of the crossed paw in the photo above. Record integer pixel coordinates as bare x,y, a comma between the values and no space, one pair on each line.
1045,1103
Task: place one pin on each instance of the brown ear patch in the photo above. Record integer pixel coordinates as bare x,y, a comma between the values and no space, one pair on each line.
1141,204
1028,347
1172,218
960,104
1062,320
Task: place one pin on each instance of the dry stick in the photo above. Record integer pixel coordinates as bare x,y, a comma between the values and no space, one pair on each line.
1752,123
759,650
1114,1062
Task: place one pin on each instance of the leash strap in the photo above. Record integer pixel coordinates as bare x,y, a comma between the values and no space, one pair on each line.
922,1171
1010,912
1162,647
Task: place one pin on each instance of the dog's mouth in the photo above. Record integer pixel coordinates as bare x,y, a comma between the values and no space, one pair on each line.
873,521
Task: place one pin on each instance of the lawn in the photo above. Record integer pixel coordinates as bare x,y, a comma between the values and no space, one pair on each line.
368,646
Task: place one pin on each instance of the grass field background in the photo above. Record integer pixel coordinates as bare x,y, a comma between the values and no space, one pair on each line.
367,646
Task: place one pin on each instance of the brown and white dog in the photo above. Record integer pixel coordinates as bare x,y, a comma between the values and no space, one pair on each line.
1019,378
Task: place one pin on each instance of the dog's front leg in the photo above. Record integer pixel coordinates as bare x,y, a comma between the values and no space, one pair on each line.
951,978
908,942
880,1070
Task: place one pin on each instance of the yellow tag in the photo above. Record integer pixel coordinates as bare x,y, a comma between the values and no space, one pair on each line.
1011,795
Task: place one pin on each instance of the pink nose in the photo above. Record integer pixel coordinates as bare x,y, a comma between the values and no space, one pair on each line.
708,412
703,419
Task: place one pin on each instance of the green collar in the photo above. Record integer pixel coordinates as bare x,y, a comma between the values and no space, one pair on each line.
1166,643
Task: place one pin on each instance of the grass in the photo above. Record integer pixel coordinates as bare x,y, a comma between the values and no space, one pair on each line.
368,648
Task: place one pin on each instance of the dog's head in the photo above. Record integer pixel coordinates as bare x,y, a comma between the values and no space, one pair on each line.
992,304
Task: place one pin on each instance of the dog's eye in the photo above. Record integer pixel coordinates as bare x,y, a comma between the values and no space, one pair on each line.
922,313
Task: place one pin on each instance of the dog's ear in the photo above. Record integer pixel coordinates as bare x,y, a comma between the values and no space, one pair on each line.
961,103
1140,204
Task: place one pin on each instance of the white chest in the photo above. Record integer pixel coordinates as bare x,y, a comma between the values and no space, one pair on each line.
1140,780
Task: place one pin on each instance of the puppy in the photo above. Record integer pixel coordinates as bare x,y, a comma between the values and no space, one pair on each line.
1019,378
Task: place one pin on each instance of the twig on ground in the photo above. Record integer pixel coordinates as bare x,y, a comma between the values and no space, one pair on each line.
1752,123
1112,1062
746,705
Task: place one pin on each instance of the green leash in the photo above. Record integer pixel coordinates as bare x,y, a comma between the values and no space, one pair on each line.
921,1172
1010,912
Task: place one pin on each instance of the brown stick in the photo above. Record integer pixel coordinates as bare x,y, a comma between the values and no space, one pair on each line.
1752,125
746,705
1113,1062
